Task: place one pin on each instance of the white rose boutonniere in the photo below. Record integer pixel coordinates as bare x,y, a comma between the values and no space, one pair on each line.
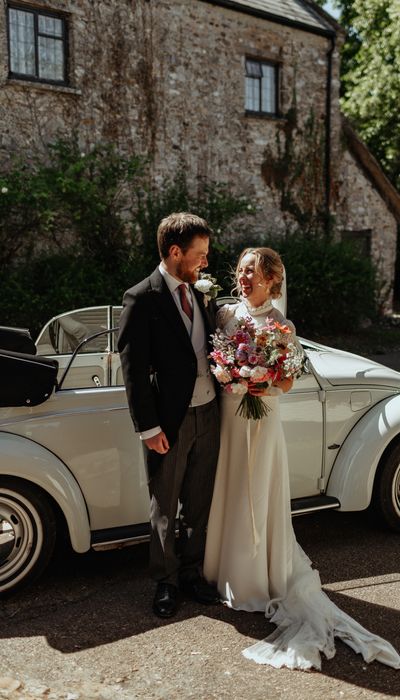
208,286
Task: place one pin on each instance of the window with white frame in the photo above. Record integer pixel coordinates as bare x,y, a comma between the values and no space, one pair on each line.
261,87
37,44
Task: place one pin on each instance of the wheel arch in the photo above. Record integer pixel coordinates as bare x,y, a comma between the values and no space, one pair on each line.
361,456
25,459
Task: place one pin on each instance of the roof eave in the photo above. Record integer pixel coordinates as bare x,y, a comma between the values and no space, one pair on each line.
325,16
232,5
372,169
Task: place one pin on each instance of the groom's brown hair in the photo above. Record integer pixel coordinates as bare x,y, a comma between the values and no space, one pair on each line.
179,229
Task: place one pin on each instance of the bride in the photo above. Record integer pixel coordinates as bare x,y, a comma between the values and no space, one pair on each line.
251,553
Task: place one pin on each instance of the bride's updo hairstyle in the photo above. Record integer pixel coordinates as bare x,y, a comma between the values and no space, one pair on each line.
268,264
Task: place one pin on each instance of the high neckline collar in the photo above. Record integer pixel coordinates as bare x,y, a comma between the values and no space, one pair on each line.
256,310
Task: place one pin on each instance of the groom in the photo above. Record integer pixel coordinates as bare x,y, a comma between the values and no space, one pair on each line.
163,342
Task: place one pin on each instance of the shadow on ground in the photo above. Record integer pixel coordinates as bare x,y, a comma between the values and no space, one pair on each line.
96,599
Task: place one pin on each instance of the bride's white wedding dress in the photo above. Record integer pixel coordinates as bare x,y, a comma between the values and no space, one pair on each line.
252,553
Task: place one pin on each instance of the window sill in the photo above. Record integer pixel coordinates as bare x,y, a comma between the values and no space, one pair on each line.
265,115
46,87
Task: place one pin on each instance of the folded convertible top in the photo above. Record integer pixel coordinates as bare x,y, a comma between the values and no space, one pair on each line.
26,380
17,340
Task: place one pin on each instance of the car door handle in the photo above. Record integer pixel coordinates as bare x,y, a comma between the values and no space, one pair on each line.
96,381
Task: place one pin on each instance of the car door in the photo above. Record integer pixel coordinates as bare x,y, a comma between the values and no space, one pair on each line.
302,416
64,333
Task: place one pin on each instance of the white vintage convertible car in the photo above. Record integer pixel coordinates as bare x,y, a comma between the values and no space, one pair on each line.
70,461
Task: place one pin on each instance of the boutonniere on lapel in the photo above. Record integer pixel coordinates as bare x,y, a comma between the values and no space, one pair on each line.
208,286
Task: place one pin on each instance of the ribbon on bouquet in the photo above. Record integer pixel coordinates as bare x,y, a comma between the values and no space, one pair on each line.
251,453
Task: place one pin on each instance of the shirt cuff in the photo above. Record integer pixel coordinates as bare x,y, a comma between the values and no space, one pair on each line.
152,432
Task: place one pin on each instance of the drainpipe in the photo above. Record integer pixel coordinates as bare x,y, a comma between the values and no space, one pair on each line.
328,132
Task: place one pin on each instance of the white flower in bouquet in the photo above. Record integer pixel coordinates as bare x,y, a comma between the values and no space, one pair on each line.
245,371
238,389
221,374
259,374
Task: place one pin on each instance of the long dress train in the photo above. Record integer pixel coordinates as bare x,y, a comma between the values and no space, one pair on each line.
252,553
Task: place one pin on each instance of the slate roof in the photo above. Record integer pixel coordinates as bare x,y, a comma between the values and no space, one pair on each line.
295,12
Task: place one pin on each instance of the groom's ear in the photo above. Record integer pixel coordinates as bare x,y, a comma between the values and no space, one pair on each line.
175,252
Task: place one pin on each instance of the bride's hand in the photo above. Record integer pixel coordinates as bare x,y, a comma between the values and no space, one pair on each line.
259,390
284,384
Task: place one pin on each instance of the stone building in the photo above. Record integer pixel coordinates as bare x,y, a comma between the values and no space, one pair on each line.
244,92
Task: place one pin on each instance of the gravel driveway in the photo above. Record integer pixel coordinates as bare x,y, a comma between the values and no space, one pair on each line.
86,629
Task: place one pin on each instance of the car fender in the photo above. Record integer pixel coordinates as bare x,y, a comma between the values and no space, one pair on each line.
352,477
26,459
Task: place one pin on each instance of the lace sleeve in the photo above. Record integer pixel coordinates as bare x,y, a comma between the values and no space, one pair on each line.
285,338
289,337
224,314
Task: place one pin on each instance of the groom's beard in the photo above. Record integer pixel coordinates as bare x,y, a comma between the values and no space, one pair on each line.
190,276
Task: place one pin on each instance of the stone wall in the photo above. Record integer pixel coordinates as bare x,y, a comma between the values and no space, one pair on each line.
360,208
166,78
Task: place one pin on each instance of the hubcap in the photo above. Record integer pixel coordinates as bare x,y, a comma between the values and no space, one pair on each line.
21,537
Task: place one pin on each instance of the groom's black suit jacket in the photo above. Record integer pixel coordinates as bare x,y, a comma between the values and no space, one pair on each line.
157,357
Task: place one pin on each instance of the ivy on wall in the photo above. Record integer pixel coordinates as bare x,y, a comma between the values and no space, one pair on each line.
295,170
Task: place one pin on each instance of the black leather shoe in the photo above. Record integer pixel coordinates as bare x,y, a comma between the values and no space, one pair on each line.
198,589
165,603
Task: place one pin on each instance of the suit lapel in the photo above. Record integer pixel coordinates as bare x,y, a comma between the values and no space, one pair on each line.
169,308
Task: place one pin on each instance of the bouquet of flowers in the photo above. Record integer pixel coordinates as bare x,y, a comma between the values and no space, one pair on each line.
256,355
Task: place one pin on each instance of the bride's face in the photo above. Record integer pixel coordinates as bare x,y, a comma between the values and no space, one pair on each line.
254,286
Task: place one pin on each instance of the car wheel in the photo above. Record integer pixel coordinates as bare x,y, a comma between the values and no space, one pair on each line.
27,533
387,489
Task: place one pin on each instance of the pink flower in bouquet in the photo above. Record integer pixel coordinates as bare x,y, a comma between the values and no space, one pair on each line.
235,372
220,358
253,358
242,336
270,325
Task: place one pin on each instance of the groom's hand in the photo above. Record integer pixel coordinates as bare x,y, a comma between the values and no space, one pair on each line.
158,443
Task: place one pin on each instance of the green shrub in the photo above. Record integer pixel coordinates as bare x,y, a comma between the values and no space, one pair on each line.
100,200
213,201
331,288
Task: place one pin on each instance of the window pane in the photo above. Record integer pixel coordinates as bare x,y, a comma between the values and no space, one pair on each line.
268,89
253,69
50,25
51,59
22,42
252,101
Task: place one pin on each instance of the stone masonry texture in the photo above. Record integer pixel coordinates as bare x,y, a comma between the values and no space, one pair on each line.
166,78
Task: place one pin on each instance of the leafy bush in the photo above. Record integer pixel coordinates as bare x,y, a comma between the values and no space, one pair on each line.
34,291
331,288
79,228
213,201
68,196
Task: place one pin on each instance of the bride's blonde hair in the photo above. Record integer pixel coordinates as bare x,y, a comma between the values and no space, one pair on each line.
268,264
